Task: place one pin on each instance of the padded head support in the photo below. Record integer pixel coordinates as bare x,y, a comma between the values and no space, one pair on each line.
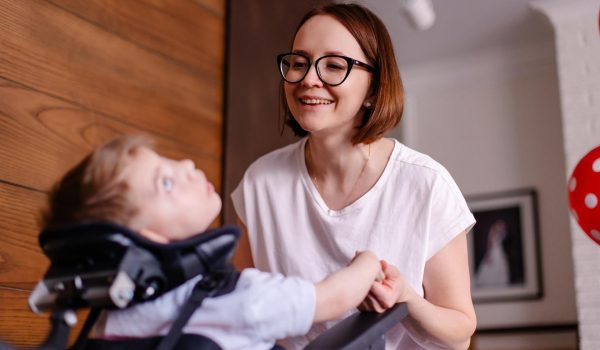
102,264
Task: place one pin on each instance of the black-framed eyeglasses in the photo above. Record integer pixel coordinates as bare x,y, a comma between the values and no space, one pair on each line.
331,69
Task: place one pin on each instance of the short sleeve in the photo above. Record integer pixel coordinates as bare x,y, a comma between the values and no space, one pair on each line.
278,307
449,215
238,199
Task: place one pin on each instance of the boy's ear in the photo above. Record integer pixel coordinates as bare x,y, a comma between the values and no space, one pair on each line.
153,236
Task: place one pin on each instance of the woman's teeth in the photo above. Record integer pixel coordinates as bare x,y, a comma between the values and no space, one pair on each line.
314,101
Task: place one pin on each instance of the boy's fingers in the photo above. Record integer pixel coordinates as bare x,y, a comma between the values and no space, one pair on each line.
366,305
380,276
371,304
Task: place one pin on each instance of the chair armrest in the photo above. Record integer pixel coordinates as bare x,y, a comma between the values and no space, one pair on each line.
359,331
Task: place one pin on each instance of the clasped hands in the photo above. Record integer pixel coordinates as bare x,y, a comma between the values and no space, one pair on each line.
389,288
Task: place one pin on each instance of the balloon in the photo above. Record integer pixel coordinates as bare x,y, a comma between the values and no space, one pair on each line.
584,194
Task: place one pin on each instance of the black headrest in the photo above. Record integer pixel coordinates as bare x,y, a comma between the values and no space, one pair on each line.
108,265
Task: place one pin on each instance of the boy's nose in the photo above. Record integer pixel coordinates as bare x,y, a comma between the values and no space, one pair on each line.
191,171
188,166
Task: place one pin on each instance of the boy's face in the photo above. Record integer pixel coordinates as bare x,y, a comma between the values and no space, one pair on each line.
174,199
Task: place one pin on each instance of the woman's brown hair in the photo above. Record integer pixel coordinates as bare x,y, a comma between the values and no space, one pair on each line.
386,86
94,189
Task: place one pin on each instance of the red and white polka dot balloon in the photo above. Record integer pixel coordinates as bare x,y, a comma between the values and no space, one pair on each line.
584,194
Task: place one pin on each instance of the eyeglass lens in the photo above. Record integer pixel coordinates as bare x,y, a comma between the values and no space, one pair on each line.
331,70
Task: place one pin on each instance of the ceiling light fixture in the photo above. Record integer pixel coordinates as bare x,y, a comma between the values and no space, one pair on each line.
419,12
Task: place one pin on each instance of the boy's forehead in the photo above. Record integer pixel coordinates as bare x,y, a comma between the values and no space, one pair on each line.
142,167
144,157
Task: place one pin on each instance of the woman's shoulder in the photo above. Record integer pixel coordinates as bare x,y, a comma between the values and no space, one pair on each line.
277,160
421,170
419,164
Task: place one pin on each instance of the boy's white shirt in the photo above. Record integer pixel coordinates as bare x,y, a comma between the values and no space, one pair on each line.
262,308
413,210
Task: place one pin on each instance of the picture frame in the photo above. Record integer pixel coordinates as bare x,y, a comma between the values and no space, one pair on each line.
504,253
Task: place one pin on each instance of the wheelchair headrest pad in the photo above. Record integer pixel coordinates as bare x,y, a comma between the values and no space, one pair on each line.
103,264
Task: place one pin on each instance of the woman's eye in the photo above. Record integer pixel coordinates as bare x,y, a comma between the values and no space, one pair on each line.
167,184
334,67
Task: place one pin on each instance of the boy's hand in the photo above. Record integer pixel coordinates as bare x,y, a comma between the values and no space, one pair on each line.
368,255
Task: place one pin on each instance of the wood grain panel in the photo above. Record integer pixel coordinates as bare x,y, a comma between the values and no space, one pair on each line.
58,52
215,6
22,263
21,327
164,28
43,136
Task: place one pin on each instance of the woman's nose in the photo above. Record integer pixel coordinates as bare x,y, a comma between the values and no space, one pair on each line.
312,78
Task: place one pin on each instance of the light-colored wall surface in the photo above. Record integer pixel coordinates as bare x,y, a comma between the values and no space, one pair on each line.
494,122
577,37
74,74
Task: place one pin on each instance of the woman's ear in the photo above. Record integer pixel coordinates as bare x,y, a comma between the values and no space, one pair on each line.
153,236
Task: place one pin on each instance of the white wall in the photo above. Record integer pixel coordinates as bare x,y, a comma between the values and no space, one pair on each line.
493,119
576,28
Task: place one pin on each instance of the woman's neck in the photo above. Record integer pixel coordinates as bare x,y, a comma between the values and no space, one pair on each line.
343,172
338,169
334,157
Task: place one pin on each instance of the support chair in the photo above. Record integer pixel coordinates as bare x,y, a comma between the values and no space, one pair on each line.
101,265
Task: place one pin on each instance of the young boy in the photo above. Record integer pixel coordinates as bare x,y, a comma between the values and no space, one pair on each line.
166,200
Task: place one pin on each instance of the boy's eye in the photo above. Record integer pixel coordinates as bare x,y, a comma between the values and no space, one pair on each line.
167,183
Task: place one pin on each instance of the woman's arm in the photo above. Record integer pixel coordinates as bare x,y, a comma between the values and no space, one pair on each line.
344,289
242,258
445,316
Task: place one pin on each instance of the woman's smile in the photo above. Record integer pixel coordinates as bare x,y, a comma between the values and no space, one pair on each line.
313,100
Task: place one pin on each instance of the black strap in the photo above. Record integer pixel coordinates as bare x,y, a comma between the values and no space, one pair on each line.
207,287
85,330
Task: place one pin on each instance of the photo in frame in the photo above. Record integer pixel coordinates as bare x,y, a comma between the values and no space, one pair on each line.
504,256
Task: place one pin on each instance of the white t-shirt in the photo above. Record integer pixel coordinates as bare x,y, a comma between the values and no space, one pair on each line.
413,210
262,308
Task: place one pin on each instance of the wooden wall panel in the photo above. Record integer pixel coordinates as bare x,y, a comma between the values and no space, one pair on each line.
58,52
74,74
22,262
171,37
43,135
17,322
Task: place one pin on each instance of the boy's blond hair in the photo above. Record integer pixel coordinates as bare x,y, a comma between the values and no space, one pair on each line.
94,189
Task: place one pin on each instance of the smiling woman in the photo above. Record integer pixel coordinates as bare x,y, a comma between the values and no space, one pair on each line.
309,206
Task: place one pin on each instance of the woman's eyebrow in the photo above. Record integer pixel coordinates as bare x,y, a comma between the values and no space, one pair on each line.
326,53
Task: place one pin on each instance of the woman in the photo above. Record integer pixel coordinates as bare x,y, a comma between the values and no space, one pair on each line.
343,187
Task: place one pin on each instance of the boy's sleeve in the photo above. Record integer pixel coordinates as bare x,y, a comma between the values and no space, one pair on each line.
279,307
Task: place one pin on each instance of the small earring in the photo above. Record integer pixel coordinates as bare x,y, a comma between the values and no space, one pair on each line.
367,104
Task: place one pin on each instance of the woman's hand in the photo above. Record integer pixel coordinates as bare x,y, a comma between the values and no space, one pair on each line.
386,293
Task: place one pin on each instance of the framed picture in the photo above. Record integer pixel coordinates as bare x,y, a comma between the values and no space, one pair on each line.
504,247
